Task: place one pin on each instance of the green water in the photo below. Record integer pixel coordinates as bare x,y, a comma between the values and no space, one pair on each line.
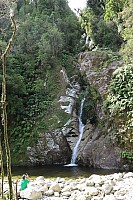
55,171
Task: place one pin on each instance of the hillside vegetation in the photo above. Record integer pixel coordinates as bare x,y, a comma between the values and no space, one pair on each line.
48,38
109,27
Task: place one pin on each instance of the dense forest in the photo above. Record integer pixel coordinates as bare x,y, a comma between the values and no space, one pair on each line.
47,33
49,36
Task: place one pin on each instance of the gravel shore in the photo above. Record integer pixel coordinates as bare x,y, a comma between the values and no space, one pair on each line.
117,186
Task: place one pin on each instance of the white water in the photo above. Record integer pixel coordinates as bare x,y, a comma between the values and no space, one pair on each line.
81,130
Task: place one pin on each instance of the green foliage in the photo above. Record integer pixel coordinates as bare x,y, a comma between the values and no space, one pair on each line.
103,34
45,29
2,45
97,6
121,95
87,19
50,45
127,52
103,20
112,9
89,109
127,33
120,105
127,155
48,35
110,58
67,60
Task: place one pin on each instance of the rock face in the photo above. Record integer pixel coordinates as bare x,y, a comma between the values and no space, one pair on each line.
91,64
67,103
100,153
99,148
51,148
54,147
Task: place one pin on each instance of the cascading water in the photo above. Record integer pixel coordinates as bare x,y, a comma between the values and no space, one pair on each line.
81,130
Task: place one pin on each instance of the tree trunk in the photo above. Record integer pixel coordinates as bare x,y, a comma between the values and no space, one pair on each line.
2,168
4,113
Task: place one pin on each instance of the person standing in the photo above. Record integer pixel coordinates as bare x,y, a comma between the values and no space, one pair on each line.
24,182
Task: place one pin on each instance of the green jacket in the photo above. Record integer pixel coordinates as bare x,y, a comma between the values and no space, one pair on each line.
24,184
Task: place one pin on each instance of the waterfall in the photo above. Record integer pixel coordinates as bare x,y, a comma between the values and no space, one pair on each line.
81,130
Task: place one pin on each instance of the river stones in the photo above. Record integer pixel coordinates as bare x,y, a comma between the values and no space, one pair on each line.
117,186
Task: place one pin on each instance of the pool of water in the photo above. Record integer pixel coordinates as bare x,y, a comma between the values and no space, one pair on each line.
59,171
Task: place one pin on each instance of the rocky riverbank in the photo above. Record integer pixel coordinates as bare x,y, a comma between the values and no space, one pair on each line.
117,186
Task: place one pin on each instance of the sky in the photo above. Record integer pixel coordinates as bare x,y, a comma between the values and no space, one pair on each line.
77,4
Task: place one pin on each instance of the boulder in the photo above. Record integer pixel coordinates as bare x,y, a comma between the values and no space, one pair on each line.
109,197
56,194
96,179
30,193
43,189
91,191
66,194
49,192
55,187
40,178
57,150
127,175
39,182
101,153
107,188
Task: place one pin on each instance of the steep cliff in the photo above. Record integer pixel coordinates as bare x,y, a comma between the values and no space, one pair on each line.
98,147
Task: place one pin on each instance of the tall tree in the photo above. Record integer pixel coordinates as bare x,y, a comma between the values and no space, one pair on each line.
97,6
4,104
113,7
